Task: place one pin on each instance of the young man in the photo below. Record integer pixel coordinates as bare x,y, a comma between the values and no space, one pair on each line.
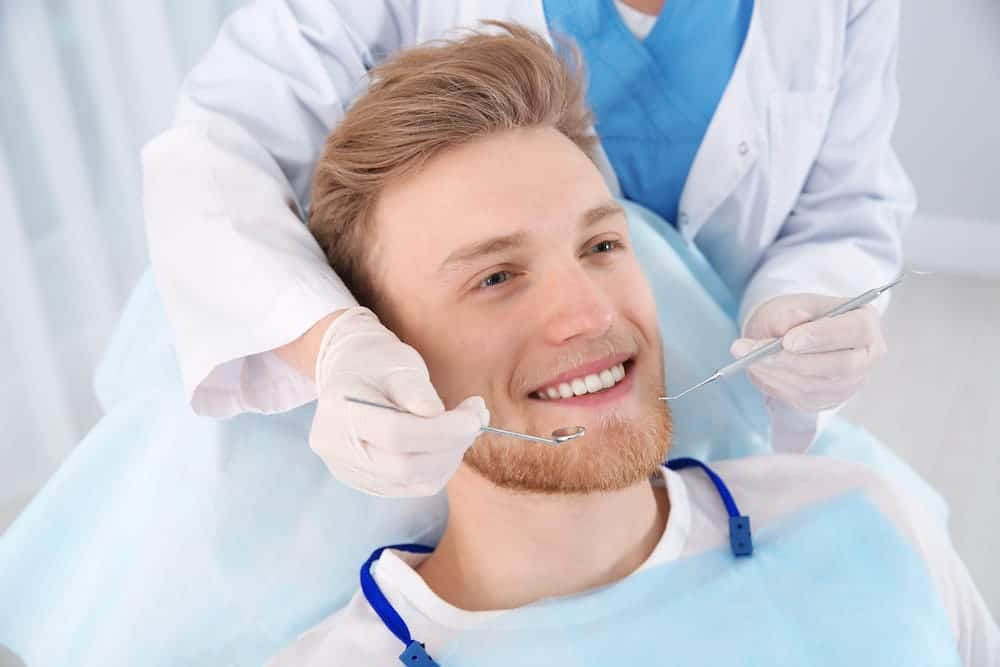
458,202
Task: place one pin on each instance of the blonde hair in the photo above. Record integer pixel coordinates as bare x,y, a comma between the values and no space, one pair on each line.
422,102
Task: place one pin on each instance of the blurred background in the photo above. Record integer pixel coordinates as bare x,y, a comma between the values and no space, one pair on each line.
83,85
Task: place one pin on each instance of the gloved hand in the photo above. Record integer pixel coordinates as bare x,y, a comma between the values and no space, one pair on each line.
377,451
823,363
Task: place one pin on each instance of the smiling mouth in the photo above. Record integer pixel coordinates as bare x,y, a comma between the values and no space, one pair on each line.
584,385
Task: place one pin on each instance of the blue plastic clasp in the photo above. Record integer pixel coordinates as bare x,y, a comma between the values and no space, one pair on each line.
415,655
739,536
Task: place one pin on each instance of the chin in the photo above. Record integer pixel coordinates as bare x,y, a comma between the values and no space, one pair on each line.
617,452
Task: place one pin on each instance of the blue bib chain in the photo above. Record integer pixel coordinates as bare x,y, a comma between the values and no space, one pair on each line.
415,653
740,539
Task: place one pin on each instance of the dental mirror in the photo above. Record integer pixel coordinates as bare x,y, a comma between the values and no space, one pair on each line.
558,437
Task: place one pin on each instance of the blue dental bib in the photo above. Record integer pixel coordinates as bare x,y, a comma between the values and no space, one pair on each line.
831,585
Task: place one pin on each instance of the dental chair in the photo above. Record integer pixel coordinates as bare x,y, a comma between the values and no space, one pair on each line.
171,539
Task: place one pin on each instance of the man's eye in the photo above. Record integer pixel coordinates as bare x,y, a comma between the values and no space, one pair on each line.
495,279
606,246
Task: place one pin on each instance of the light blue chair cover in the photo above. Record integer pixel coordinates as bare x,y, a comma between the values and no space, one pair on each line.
171,539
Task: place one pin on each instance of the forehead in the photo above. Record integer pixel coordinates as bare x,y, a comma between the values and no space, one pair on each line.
517,181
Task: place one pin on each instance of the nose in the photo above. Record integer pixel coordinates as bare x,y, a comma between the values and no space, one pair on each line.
577,306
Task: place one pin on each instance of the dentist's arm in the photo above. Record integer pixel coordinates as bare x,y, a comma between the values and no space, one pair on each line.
260,321
841,239
240,276
302,353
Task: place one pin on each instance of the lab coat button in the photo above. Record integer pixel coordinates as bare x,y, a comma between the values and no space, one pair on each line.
743,148
683,219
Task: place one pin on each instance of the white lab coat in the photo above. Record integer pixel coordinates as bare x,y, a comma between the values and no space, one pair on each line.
794,189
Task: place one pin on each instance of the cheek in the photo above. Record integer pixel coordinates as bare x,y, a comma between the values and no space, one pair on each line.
636,297
406,316
461,355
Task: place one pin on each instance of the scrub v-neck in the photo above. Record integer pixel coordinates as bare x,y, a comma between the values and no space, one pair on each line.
653,99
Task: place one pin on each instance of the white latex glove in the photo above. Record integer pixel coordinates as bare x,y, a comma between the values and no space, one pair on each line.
822,363
377,451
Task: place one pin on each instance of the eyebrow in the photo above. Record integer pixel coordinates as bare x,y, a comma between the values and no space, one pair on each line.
598,213
498,244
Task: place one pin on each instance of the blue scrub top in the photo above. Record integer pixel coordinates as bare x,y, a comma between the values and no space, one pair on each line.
654,98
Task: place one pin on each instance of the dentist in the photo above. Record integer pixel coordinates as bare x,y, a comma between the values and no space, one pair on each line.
760,130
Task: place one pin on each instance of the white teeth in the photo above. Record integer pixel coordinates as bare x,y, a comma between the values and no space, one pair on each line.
607,379
589,384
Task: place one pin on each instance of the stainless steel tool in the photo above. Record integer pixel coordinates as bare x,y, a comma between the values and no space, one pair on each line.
775,345
559,436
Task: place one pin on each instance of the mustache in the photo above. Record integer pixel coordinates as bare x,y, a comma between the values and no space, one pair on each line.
566,360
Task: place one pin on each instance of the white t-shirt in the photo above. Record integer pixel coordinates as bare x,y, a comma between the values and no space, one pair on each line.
766,488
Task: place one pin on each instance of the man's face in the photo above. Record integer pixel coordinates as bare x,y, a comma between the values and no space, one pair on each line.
507,264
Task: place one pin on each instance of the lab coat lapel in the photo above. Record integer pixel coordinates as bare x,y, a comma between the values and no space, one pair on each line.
735,138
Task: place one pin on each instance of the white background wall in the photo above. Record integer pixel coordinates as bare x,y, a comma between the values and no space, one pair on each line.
948,134
63,69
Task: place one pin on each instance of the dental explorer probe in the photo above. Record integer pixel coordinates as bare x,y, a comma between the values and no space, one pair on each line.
775,345
559,436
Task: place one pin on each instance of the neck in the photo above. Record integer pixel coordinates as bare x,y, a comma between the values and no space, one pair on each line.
650,7
502,549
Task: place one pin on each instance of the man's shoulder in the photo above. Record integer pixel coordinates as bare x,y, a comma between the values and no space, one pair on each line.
352,635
